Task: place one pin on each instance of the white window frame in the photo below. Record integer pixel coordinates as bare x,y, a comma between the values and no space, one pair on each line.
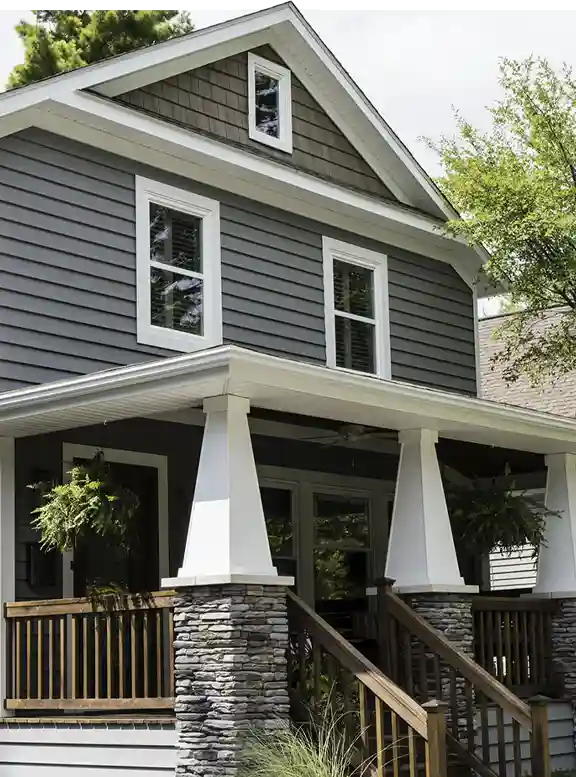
147,192
284,140
336,250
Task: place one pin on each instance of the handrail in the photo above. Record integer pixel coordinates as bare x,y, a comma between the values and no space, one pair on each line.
470,670
363,669
81,605
506,603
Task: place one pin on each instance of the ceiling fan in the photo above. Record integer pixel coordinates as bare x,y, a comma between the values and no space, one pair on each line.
351,433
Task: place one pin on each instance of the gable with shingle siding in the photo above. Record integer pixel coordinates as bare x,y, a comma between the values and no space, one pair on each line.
213,100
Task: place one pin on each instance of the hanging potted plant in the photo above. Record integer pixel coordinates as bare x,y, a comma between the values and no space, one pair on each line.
488,515
90,502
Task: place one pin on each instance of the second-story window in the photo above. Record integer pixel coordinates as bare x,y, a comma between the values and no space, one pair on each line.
356,309
269,103
178,268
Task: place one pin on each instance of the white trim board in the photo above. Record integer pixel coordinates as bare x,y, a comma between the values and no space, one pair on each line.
7,551
71,451
283,141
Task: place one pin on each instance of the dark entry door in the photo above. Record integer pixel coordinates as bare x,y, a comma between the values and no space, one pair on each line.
98,561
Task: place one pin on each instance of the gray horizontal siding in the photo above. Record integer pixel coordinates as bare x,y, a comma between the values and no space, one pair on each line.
74,750
214,100
67,272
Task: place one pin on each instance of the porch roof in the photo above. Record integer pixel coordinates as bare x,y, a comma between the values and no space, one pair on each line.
277,384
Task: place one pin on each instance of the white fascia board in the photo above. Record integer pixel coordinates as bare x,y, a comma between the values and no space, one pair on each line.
106,124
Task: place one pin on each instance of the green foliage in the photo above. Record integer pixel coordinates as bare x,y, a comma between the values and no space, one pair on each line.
516,189
63,40
307,751
89,503
492,515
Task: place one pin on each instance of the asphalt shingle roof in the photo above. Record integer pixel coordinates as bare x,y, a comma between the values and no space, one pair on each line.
557,397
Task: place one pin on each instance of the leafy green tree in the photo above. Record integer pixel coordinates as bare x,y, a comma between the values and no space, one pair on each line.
63,40
515,187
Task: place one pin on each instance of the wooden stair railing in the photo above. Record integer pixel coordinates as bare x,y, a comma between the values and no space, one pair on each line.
489,728
388,732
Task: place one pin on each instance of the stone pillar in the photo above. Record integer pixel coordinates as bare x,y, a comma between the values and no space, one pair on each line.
230,621
230,670
563,648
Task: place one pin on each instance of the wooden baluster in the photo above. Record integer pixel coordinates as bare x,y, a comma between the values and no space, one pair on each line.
316,673
62,656
507,651
121,674
534,664
363,727
74,661
412,764
540,740
526,668
490,644
133,652
423,672
50,658
408,658
109,663
454,702
516,749
96,633
18,652
395,744
85,656
39,661
516,632
482,703
470,733
159,653
436,761
542,649
380,746
28,657
437,675
479,629
499,647
394,649
501,741
145,649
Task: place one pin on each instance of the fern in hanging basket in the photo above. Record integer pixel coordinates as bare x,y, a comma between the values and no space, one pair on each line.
90,502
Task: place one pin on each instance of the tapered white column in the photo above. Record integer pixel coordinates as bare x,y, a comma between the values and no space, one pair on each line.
227,540
557,558
7,550
421,554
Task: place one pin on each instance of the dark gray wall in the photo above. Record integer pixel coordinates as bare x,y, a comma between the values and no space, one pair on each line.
40,458
67,276
213,100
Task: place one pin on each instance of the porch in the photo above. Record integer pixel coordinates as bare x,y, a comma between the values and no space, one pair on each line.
341,511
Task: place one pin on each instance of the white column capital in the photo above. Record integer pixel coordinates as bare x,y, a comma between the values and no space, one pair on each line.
225,403
421,436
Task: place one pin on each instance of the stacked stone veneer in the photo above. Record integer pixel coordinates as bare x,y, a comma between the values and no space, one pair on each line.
450,614
564,646
230,672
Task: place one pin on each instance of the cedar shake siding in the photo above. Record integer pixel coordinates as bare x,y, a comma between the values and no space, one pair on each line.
213,100
68,275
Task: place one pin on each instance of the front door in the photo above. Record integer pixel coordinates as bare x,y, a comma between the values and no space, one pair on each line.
99,562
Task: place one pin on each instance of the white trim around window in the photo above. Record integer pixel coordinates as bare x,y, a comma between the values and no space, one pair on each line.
283,141
335,250
152,192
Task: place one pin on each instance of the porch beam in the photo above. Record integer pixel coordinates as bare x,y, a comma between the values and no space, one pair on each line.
7,551
557,558
421,553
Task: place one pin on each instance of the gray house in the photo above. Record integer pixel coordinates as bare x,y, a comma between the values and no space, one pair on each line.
223,272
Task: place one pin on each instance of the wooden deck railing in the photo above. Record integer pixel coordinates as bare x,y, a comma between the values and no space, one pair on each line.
485,718
114,653
388,732
513,641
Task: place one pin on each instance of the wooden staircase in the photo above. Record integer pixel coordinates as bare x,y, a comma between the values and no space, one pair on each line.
425,711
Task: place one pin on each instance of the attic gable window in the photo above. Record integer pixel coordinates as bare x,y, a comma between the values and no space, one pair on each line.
177,267
356,309
269,103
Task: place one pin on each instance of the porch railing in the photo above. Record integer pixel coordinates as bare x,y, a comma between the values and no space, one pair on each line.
110,653
513,641
386,731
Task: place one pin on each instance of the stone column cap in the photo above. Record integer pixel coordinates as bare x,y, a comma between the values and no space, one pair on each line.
436,588
192,582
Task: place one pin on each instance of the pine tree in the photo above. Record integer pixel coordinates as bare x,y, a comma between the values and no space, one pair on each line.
63,40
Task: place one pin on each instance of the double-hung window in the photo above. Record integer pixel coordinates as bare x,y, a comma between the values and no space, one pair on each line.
356,309
269,103
178,268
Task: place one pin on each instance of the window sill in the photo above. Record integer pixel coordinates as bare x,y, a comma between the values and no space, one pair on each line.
173,340
349,371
